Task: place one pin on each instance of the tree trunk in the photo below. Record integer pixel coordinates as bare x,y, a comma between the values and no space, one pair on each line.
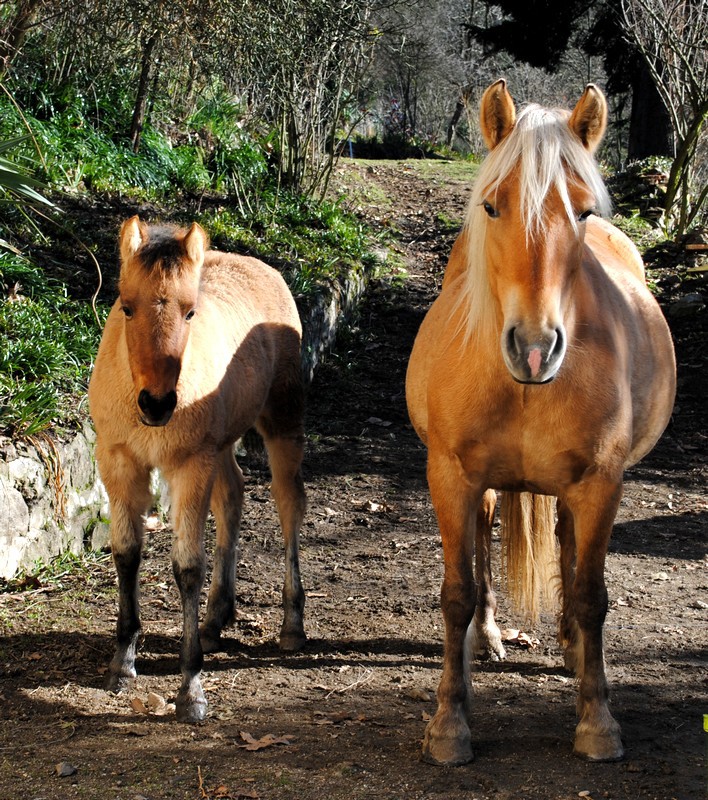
10,45
452,125
136,124
650,131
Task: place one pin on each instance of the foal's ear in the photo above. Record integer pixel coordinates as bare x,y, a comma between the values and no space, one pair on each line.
589,118
497,114
133,233
195,243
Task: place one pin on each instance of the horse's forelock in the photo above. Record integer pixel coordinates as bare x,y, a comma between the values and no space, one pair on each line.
549,155
163,247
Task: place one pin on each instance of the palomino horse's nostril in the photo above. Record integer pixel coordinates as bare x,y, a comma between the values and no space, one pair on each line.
157,410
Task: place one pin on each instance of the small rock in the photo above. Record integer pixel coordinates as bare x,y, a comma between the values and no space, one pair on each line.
687,306
64,769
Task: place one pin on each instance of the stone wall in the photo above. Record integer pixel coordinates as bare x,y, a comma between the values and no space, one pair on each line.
51,498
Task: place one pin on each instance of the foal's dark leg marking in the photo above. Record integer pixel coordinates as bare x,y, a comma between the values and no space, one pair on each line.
191,488
191,705
122,666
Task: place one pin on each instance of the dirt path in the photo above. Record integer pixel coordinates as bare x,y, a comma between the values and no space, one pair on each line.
353,704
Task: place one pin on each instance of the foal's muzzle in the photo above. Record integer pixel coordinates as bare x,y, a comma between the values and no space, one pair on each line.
156,411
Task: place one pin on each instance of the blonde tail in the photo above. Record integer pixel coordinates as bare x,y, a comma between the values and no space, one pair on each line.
529,550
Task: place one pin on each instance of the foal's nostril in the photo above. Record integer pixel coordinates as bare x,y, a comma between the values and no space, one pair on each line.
157,409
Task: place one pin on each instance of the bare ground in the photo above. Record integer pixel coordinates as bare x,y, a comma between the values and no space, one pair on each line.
348,713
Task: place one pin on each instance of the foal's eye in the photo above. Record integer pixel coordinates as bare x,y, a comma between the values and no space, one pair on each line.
127,311
490,210
189,315
582,217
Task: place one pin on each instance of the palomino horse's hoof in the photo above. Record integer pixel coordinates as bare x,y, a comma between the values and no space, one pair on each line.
447,751
598,746
292,642
190,711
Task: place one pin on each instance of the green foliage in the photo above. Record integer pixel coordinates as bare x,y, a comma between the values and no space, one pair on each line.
47,343
308,241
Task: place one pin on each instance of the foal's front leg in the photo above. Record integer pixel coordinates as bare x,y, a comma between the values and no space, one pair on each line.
447,737
127,484
191,489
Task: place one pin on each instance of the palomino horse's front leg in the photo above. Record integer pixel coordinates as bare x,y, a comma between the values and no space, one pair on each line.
447,737
226,505
484,636
191,489
285,456
127,484
593,503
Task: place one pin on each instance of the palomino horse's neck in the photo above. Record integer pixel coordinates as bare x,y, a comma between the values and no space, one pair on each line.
543,156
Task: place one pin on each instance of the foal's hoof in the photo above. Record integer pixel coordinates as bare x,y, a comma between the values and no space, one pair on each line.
210,640
292,642
447,752
118,683
598,746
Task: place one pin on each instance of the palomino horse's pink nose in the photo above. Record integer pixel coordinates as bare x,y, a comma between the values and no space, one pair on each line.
534,359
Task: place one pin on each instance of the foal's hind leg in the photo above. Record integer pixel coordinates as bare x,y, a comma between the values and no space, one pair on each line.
285,455
226,504
127,484
484,636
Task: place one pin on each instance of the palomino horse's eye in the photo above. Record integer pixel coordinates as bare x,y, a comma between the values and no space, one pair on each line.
582,217
189,315
127,311
490,210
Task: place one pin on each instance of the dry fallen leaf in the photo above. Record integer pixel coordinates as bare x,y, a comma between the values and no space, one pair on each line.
138,706
418,694
515,636
268,740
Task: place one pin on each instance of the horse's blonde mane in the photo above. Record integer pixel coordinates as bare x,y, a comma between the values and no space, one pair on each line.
548,155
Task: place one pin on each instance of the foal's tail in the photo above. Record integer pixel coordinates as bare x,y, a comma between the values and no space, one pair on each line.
529,550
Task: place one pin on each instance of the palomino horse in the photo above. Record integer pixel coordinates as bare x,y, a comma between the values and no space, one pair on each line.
199,347
543,367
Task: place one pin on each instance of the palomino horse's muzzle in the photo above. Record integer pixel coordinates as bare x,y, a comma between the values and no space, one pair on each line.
156,411
534,359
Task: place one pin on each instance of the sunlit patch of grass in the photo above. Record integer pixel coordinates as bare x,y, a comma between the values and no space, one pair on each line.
47,345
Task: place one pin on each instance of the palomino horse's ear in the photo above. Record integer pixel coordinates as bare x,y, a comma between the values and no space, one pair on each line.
195,243
497,114
132,235
589,118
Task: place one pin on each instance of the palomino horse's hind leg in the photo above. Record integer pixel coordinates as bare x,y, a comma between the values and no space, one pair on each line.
569,635
593,503
285,457
447,737
127,485
226,504
191,489
484,636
